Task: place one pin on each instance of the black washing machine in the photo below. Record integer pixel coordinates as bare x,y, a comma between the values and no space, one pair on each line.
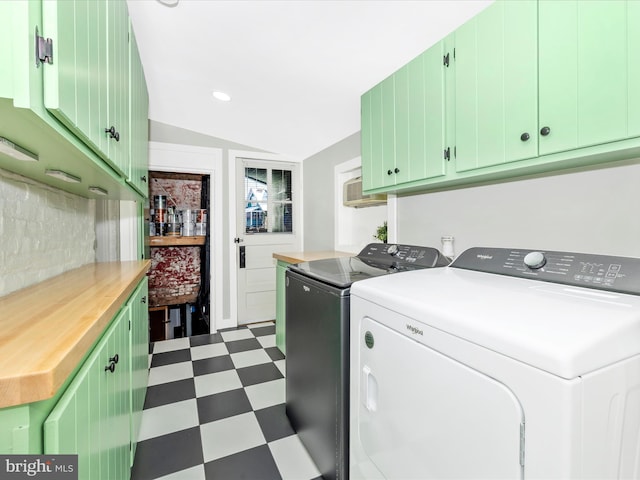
317,344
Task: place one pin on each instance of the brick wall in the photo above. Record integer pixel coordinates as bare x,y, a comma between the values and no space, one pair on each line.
174,277
43,232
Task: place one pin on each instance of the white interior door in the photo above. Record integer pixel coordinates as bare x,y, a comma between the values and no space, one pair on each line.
422,415
266,222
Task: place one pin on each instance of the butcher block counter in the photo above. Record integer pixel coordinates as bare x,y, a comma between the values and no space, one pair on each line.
299,257
47,329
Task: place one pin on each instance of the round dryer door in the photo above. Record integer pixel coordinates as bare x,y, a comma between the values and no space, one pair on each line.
422,415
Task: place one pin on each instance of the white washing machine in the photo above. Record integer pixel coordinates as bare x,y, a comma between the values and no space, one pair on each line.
506,364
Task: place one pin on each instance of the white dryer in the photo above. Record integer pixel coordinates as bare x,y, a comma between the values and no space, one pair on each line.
506,364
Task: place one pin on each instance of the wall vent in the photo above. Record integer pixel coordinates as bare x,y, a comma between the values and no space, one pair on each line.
352,195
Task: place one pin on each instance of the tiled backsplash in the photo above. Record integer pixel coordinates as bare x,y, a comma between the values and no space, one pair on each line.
43,232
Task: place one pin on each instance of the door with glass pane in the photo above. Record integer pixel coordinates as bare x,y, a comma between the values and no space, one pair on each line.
267,222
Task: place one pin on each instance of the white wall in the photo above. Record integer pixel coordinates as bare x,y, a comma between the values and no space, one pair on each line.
594,211
43,232
318,187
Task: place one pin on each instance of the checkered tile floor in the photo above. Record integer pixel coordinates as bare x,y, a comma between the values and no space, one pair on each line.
215,410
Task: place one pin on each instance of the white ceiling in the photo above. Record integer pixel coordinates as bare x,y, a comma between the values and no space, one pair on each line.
295,69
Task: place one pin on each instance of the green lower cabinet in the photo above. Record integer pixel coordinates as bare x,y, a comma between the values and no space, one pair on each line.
139,347
98,417
281,270
92,417
21,427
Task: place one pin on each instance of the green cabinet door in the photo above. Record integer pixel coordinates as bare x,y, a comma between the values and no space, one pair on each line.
366,140
138,122
120,419
496,86
118,74
76,83
633,63
378,142
87,85
139,338
419,118
589,73
403,124
281,270
398,169
92,416
387,140
426,116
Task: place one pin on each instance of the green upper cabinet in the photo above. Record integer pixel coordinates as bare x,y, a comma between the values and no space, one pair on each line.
378,119
403,124
87,85
496,98
138,122
118,73
589,73
420,115
531,86
365,140
381,136
633,62
62,107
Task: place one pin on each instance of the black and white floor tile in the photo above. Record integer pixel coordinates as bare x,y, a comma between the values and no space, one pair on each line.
215,410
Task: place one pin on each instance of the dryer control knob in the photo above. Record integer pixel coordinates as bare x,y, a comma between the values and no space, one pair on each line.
535,260
393,250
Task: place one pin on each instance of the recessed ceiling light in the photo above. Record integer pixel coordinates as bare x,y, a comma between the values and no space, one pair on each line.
223,97
9,148
64,176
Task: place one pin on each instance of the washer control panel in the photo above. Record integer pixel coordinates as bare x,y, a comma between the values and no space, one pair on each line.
603,272
402,257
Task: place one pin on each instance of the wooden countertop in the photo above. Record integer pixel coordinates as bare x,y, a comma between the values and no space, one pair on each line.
299,257
47,329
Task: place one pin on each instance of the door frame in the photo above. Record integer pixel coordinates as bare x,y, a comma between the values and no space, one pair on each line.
169,157
236,156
